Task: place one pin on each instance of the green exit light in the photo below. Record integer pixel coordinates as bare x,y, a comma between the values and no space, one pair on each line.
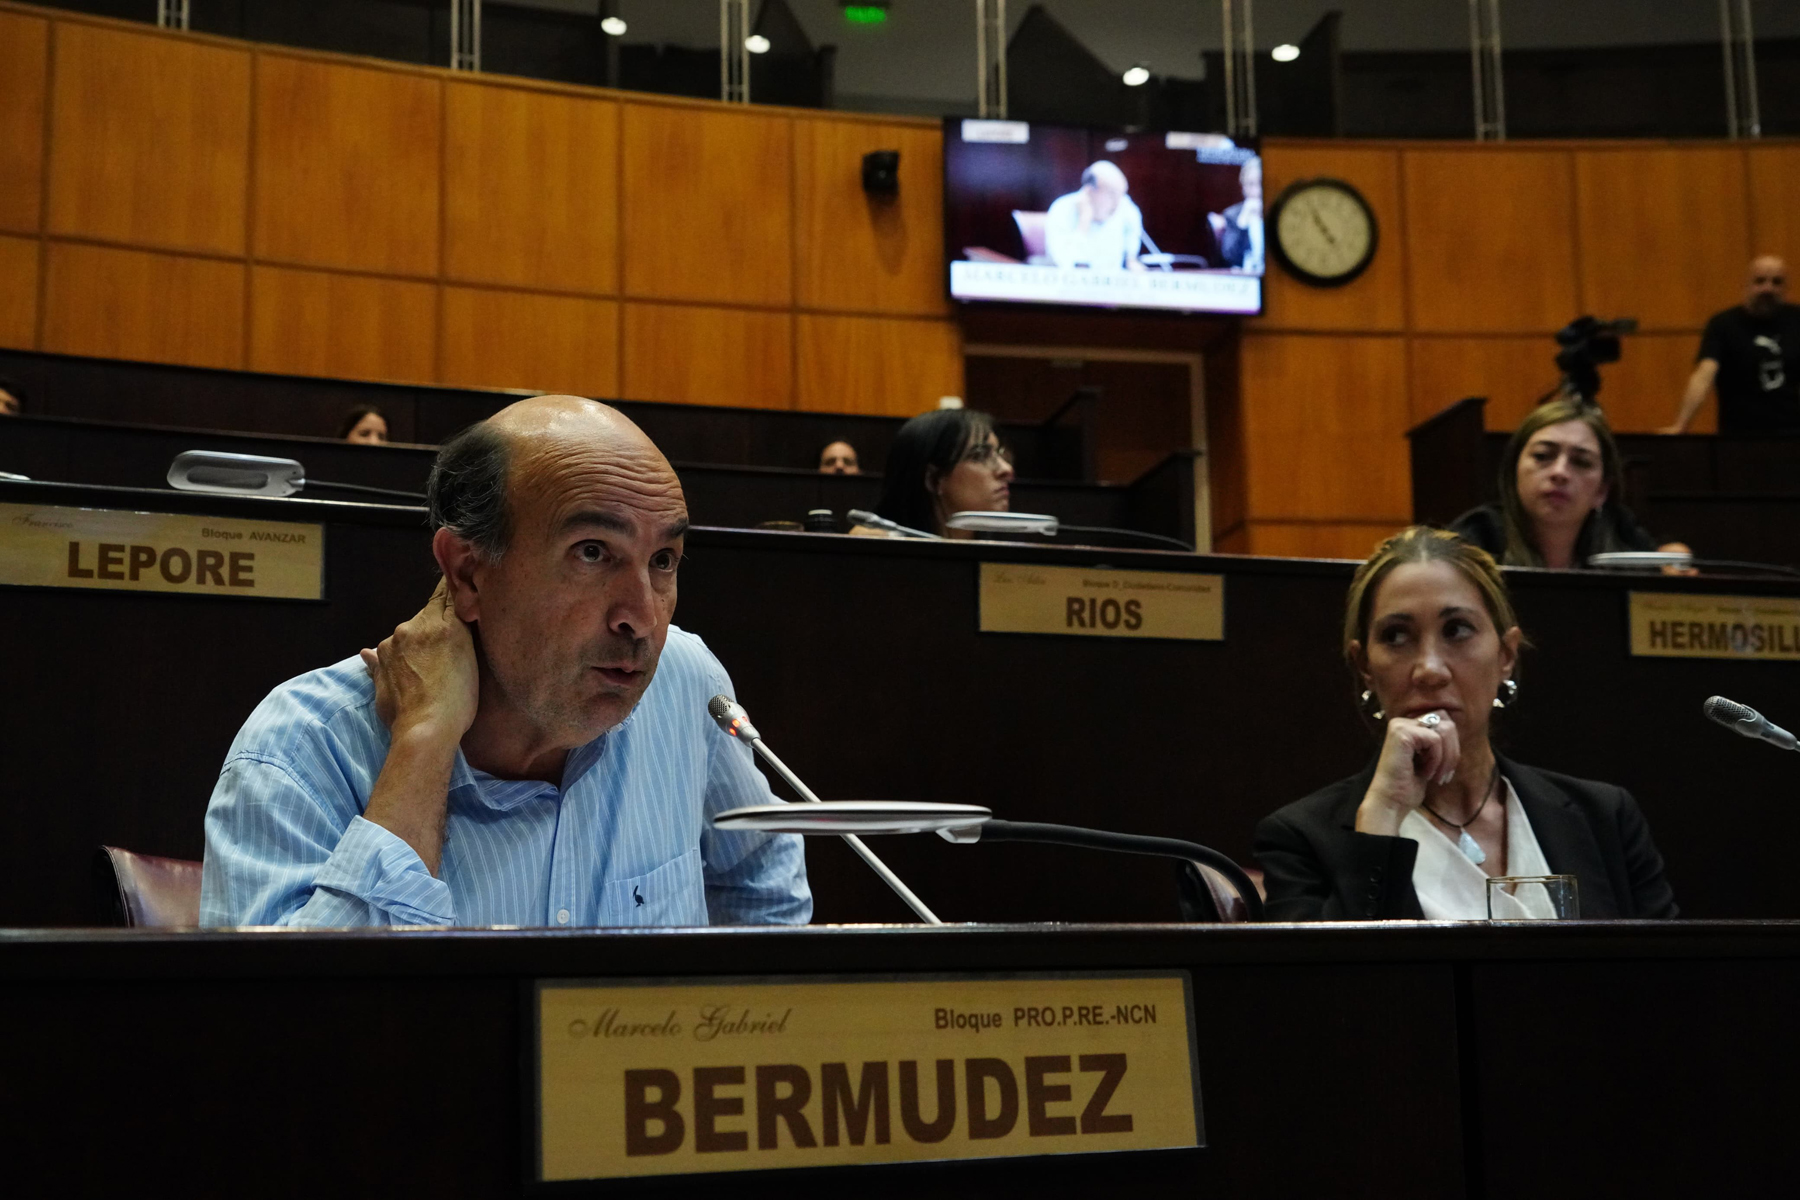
865,14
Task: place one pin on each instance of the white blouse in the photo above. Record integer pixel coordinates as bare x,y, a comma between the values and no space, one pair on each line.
1451,888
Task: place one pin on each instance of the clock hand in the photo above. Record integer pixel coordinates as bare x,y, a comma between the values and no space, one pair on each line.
1313,212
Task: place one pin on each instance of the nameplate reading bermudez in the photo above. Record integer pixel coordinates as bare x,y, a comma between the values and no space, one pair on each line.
659,1078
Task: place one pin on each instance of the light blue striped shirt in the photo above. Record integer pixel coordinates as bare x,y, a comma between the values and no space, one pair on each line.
624,841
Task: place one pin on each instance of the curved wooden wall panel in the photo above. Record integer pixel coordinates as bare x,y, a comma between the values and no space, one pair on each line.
24,71
1671,263
495,338
172,308
344,326
690,354
18,292
531,189
152,140
708,205
1490,240
891,368
347,166
860,253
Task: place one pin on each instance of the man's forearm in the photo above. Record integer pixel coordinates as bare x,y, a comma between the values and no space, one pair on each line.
410,794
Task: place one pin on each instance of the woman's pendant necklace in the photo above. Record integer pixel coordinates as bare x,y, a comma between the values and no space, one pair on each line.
1471,849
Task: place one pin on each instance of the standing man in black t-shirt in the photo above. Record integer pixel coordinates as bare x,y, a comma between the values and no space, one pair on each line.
1751,353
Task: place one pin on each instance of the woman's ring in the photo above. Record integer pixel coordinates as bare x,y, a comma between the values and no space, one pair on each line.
1432,720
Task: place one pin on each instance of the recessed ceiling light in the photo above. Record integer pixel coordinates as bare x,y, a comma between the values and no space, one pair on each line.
613,27
756,43
1286,52
1136,76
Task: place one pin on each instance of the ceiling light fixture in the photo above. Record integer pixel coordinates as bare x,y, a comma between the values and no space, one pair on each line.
1286,52
613,27
1136,76
756,43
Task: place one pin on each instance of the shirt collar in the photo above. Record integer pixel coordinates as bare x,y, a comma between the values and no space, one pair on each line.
506,794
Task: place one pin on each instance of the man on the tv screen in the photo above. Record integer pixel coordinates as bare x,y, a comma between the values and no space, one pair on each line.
1097,226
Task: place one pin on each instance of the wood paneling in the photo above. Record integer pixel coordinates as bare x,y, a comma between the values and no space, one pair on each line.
502,339
1512,372
135,304
1327,539
1774,213
687,354
152,139
1490,240
1374,300
531,189
859,252
1664,234
342,326
24,57
346,166
18,292
888,366
1641,392
708,205
1325,422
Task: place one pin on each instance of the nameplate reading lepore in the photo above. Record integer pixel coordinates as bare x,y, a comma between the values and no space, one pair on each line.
1676,625
1100,602
48,546
672,1079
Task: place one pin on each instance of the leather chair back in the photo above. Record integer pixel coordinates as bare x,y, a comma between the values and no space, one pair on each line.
148,890
1208,896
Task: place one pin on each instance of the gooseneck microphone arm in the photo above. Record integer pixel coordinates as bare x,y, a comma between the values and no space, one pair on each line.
736,722
1126,843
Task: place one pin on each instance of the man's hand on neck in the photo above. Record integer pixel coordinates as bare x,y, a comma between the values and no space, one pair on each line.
426,691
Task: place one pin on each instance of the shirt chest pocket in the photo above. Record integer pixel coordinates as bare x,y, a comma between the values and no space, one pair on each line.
673,894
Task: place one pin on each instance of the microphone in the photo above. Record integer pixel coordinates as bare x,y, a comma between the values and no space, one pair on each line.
736,722
862,516
1747,721
228,473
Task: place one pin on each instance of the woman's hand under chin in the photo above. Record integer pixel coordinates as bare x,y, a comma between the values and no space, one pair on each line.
1413,757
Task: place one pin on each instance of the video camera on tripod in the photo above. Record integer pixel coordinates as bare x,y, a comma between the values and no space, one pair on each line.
1585,343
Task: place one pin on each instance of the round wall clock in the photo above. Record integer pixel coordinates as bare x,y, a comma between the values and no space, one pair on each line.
1324,232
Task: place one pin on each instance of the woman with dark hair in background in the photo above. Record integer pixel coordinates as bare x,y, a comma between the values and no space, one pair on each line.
364,424
944,462
1560,480
1430,634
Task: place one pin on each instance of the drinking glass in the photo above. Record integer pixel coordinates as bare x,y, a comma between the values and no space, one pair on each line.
1533,898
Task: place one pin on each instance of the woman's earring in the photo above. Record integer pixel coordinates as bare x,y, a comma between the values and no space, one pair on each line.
1510,690
1373,707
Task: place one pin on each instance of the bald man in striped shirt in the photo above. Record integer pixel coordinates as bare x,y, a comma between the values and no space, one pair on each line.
533,747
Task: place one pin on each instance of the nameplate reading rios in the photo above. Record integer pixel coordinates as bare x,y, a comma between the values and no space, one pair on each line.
1100,602
671,1079
50,546
1678,625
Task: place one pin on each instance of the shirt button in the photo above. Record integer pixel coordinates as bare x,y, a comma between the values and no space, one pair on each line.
562,916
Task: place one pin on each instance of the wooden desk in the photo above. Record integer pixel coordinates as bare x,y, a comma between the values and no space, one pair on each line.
1728,497
97,389
113,454
1430,1061
861,661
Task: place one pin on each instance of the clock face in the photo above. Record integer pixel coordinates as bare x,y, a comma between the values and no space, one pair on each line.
1324,232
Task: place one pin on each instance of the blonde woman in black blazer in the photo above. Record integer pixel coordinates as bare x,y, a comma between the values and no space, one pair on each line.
1430,631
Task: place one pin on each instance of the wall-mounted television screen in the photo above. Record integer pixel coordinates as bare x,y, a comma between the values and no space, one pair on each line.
1045,214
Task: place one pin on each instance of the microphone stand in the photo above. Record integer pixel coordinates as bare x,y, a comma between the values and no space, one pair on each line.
996,830
736,723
